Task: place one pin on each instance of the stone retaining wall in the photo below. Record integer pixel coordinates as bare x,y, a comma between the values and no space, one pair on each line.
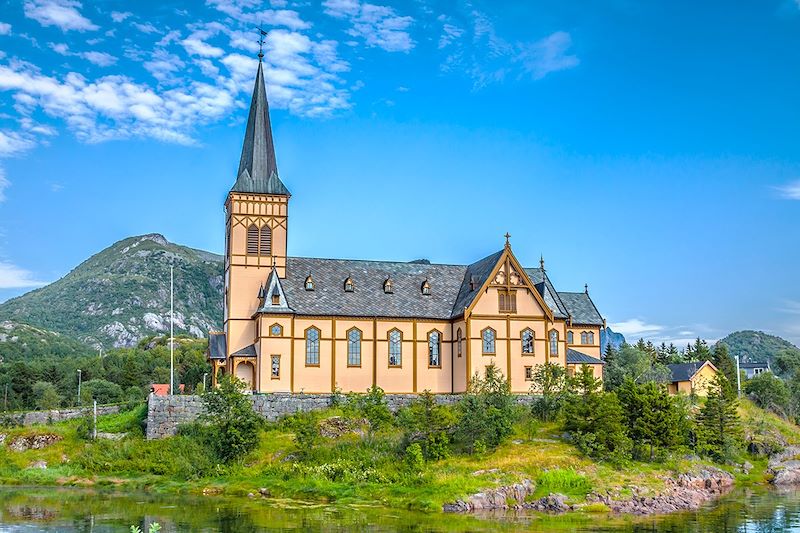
31,418
166,413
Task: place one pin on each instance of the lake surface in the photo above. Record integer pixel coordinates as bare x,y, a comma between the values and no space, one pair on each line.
68,510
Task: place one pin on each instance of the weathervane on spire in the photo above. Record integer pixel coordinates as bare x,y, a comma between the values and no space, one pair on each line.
261,35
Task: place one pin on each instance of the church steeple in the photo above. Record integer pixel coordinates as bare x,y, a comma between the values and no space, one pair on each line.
258,169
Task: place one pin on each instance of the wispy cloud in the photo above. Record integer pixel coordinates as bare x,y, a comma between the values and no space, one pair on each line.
548,55
790,191
101,59
4,184
378,26
636,327
64,14
14,277
5,28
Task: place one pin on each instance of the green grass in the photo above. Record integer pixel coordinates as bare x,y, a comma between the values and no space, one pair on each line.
564,481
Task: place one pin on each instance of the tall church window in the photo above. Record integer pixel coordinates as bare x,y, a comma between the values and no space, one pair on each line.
459,342
312,347
395,348
275,367
590,337
488,336
584,338
265,243
354,347
553,342
252,240
570,337
434,349
527,341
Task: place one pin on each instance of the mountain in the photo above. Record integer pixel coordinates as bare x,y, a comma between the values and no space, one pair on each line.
23,342
607,336
121,295
756,346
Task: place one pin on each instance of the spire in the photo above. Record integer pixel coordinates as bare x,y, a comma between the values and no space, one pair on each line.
258,170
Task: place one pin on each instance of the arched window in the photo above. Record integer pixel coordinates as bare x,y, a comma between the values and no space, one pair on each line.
312,347
584,338
459,342
388,286
570,337
309,283
435,349
395,348
488,336
553,342
349,286
590,337
426,288
252,240
265,241
354,347
527,341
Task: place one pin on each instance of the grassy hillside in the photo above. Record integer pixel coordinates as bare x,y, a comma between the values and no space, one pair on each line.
756,346
21,342
121,295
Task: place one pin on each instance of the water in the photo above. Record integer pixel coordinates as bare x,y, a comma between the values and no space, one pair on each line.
72,510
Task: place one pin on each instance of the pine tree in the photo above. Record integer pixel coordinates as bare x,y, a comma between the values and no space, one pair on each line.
720,428
722,359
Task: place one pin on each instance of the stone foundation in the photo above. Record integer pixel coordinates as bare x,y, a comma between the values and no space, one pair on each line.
32,418
166,413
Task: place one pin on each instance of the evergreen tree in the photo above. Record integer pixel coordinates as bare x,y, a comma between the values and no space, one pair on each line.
233,422
654,419
698,351
550,384
720,428
722,359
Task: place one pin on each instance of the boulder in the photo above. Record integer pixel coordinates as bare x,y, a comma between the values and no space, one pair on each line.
33,442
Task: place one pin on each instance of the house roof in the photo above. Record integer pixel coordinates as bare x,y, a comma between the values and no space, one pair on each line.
686,371
764,364
247,351
549,294
576,357
581,308
217,346
258,168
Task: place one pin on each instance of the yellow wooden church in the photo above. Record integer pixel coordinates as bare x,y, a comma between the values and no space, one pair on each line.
297,324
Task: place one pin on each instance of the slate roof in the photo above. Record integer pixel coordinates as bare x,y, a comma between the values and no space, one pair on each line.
247,351
581,308
453,287
685,371
258,168
754,365
576,357
217,346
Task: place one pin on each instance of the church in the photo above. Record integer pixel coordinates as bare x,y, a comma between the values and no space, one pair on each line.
309,325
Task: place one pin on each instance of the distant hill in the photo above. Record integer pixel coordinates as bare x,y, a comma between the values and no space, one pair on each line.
756,346
24,342
121,295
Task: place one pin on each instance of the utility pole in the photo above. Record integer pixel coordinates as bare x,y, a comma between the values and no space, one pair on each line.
5,399
204,380
94,431
171,331
79,386
738,378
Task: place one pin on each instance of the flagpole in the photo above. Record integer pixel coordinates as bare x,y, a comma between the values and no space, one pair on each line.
171,331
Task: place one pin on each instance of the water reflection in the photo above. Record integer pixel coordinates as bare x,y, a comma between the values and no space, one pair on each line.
65,510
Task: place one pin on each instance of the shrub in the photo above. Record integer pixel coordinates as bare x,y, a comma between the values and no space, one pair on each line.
102,391
550,383
487,411
371,406
766,390
46,395
306,430
414,458
231,418
428,424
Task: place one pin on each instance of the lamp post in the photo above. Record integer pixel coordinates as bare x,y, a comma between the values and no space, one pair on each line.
738,378
204,380
79,386
171,331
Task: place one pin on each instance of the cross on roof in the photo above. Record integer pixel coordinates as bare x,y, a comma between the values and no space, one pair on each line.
507,236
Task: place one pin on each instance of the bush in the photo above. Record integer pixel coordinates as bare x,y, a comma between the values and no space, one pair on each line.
371,406
487,412
306,431
102,391
428,424
231,418
550,383
46,395
767,391
414,458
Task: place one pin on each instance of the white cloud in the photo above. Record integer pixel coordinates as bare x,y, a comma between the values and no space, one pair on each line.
241,10
196,46
120,16
14,143
379,26
450,33
635,326
5,28
4,184
145,28
548,55
790,191
62,13
101,59
14,277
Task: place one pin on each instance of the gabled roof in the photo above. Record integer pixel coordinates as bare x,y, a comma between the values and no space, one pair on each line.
686,371
258,168
580,358
247,351
765,364
581,308
475,276
217,346
274,287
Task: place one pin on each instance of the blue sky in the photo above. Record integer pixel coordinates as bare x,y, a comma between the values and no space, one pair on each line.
651,149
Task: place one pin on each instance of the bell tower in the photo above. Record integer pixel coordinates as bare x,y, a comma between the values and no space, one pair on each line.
256,212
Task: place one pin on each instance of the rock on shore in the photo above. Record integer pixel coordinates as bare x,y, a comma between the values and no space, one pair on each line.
784,467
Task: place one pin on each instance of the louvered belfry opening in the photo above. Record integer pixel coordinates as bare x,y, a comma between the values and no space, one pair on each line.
266,241
252,240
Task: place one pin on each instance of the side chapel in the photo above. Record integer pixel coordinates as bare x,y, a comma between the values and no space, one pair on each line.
298,324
